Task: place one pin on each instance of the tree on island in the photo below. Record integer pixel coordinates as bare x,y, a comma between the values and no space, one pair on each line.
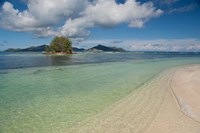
59,45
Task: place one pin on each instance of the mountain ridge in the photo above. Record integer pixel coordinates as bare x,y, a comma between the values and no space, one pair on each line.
41,48
102,48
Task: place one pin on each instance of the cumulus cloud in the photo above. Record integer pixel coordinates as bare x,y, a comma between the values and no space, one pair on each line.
107,13
42,17
13,19
149,45
49,12
76,27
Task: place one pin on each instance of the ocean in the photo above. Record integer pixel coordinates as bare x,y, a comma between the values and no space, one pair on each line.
48,94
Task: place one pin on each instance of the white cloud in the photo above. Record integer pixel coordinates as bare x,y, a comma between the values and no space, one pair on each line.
43,16
14,19
137,23
166,45
107,13
186,8
52,11
148,45
76,27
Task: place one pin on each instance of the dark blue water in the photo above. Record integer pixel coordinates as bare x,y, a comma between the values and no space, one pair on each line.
25,60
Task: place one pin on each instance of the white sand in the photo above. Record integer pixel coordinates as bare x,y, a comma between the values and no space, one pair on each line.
186,88
174,115
169,103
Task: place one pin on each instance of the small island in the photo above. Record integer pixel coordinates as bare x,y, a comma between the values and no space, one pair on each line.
59,46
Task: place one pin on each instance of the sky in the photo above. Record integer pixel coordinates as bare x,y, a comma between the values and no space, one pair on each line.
135,25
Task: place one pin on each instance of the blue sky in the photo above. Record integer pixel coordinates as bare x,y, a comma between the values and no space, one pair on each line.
161,25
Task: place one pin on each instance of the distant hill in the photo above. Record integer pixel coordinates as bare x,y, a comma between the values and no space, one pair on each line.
103,48
38,49
29,49
98,48
75,49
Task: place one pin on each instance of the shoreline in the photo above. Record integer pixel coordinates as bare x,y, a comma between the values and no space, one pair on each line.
188,84
153,108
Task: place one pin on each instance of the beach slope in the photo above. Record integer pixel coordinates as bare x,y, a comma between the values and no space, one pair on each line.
168,103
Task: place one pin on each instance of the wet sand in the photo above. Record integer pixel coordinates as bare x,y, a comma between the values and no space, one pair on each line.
168,103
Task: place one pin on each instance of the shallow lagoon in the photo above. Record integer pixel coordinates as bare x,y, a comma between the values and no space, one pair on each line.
54,98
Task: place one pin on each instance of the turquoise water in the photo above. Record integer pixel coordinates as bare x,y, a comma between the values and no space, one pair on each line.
52,99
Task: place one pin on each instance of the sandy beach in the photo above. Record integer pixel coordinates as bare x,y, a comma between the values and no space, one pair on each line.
168,103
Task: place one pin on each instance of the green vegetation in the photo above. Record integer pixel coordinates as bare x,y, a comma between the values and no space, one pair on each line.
59,45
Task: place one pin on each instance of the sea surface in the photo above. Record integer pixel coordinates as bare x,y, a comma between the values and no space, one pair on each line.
48,94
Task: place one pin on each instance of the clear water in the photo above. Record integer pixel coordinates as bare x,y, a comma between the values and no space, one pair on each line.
53,97
24,60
